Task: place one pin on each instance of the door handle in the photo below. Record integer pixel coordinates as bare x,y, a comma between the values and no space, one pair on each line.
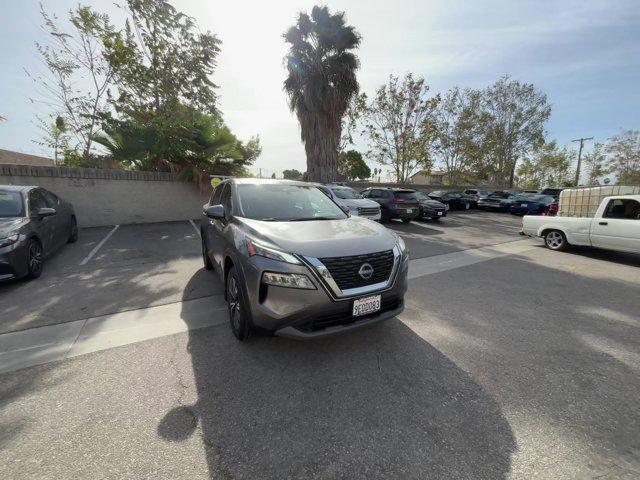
603,223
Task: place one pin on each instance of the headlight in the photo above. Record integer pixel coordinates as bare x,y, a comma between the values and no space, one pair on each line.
401,246
254,248
288,280
10,240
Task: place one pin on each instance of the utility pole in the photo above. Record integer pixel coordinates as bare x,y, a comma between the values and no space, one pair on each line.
581,140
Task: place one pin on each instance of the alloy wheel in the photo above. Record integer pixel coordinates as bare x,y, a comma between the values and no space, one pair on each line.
554,240
234,303
35,258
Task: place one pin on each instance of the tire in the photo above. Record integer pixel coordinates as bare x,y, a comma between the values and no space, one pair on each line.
238,311
555,240
384,216
35,259
205,256
406,220
73,231
467,206
436,219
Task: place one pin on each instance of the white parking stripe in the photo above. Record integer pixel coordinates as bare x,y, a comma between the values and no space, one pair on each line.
194,227
97,247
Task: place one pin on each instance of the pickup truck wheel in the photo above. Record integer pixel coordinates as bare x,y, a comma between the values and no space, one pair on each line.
555,240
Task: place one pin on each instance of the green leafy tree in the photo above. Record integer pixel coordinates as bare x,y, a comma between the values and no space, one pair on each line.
624,156
78,78
399,123
320,84
353,167
55,137
548,166
292,174
596,164
513,115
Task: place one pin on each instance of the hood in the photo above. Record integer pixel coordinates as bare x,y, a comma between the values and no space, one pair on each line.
432,203
322,238
357,202
10,225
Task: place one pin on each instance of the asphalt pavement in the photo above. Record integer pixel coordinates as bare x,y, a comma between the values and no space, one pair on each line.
510,361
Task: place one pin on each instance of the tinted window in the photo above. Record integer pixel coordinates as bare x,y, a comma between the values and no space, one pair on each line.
500,195
277,202
215,195
375,193
36,202
421,196
438,193
623,208
51,199
405,195
345,193
11,204
471,192
225,200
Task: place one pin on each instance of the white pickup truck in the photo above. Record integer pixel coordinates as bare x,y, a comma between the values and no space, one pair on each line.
615,226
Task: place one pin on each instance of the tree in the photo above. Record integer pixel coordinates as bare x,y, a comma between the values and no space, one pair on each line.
79,76
595,163
513,115
458,134
548,166
320,84
55,137
399,123
292,174
353,166
624,156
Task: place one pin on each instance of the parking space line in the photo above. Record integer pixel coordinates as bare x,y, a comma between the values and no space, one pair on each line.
194,227
97,247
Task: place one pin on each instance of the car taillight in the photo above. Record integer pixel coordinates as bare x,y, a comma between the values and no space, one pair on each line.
399,200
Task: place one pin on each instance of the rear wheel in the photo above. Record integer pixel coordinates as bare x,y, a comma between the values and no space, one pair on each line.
406,220
238,312
555,240
435,219
73,231
384,216
35,259
467,206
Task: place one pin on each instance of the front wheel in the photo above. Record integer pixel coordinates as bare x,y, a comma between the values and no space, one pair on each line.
35,259
555,240
73,231
238,312
467,206
406,220
205,256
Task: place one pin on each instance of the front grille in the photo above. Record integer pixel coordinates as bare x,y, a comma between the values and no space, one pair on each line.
344,270
345,317
368,211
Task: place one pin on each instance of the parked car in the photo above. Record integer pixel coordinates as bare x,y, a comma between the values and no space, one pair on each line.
531,204
34,223
351,201
430,208
614,226
394,203
476,195
453,200
295,264
498,201
554,192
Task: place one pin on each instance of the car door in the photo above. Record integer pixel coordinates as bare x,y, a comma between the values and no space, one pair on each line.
61,220
209,231
219,225
619,226
46,226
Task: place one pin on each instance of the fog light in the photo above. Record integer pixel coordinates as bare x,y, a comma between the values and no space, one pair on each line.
288,280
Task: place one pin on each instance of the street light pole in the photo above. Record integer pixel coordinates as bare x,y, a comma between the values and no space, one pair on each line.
581,140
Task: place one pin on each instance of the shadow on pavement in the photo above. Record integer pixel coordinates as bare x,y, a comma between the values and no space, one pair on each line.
379,403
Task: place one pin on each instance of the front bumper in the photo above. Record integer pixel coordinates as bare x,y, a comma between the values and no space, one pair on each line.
307,314
432,213
13,261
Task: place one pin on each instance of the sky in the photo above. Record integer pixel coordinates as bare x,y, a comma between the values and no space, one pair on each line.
584,55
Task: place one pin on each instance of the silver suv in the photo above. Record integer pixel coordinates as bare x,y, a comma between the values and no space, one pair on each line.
351,201
293,263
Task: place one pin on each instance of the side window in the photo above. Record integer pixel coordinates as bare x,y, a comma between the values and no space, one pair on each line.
225,200
36,202
375,193
215,195
51,199
386,194
623,208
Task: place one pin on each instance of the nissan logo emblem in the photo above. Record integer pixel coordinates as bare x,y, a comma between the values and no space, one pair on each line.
366,271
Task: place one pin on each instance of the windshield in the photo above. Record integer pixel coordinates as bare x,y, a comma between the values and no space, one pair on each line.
282,203
526,196
405,195
500,195
421,196
345,193
438,193
11,204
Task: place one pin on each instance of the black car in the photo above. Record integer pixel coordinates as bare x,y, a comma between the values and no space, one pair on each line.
454,200
476,194
498,201
34,223
554,192
531,204
430,208
394,203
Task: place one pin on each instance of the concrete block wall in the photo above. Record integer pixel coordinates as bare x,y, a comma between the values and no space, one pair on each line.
111,197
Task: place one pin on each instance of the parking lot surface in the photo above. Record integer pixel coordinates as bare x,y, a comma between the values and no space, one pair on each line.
510,361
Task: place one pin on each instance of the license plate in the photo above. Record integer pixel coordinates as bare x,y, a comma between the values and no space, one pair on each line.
439,213
366,305
523,204
409,210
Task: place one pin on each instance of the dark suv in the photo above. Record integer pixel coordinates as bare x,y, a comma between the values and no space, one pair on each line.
394,203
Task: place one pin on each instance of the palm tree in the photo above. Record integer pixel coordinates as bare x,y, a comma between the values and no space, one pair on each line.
320,84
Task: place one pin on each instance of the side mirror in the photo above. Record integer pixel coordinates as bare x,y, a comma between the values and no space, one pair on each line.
214,211
46,212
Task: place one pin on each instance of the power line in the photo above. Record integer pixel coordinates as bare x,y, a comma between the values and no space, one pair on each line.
581,140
